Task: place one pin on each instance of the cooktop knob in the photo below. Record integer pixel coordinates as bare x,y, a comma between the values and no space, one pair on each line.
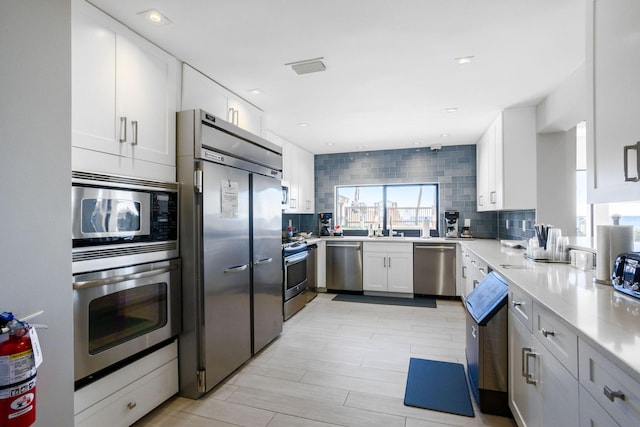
635,287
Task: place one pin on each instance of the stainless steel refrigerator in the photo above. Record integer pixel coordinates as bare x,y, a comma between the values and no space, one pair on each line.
230,236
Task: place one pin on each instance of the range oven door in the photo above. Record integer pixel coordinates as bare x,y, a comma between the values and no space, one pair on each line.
122,312
295,274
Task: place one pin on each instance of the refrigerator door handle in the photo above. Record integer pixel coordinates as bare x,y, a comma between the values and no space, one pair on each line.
236,269
263,261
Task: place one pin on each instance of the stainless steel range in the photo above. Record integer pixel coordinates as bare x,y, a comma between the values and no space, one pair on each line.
294,262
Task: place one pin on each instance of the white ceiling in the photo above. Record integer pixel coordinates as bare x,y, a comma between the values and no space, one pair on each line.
390,72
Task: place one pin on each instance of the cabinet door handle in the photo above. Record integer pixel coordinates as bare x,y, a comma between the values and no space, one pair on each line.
134,131
384,262
516,303
546,333
123,129
234,116
524,351
131,405
612,395
493,197
636,147
464,271
481,201
474,331
389,262
527,353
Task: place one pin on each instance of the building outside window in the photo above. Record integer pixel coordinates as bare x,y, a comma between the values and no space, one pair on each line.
401,207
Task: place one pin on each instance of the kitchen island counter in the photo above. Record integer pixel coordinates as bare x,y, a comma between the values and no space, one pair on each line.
604,318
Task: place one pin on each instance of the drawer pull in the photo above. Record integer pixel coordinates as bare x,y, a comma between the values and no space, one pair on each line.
516,303
131,405
611,395
547,333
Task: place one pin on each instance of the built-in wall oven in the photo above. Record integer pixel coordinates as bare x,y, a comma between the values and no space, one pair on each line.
295,278
122,312
126,270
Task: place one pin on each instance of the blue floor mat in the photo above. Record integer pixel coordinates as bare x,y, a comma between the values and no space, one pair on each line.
439,386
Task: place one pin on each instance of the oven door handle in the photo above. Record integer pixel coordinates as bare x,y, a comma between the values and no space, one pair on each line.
296,258
123,278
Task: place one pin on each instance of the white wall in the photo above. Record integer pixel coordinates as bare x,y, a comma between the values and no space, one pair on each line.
35,160
556,180
566,106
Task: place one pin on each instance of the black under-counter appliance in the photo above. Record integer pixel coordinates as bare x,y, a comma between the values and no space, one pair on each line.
487,345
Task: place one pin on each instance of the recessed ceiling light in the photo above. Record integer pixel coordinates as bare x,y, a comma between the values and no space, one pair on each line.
464,60
451,110
444,135
417,143
360,147
154,17
255,91
303,125
330,144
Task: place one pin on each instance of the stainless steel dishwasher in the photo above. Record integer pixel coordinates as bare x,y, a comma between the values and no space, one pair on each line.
434,269
344,266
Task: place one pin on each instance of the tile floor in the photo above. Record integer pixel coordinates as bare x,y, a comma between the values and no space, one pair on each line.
335,364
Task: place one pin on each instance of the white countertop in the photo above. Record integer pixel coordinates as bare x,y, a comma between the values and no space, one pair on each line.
605,318
394,239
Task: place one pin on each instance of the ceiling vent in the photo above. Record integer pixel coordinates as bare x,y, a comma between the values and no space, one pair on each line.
308,65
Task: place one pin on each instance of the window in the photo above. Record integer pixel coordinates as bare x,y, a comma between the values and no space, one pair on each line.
399,206
589,216
583,208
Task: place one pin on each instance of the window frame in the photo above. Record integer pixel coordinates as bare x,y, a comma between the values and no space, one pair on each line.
385,187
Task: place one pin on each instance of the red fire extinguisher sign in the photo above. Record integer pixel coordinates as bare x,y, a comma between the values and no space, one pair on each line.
17,376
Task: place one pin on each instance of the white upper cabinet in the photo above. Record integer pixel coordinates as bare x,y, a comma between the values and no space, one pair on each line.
124,95
199,91
613,61
506,162
298,175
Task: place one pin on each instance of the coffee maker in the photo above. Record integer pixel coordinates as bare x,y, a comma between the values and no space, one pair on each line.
324,220
451,223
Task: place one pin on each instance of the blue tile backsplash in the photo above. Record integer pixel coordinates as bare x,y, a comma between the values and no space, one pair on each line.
510,224
301,222
453,167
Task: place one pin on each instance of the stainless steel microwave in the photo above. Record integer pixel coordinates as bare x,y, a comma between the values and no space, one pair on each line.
119,221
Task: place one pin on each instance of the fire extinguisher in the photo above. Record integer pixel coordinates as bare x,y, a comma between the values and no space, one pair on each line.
17,374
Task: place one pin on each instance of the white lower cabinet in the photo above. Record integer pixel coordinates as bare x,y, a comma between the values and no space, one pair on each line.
473,271
592,414
123,397
388,267
616,394
542,392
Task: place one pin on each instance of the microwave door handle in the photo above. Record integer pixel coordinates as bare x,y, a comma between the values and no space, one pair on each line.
123,278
